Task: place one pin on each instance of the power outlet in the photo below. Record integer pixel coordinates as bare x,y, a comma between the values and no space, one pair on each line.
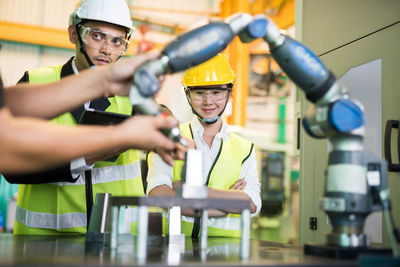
313,223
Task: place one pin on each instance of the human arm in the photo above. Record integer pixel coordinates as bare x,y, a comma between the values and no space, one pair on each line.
238,194
159,183
231,194
245,188
52,99
249,172
66,173
29,144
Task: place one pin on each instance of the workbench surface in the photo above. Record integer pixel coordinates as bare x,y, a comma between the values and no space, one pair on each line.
72,250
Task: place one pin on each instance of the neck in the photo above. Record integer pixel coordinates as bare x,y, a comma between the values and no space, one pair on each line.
79,64
211,130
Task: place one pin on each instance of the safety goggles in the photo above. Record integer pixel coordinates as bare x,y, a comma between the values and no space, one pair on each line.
216,95
97,39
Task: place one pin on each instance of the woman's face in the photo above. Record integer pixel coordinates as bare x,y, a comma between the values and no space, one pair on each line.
208,101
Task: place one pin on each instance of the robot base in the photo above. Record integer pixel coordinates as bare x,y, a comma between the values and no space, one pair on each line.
336,252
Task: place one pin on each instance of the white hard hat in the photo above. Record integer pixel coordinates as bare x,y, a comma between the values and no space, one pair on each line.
111,11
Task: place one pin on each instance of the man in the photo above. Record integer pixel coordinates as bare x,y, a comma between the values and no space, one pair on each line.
229,163
100,29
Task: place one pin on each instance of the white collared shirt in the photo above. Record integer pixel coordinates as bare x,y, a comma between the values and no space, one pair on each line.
160,173
78,166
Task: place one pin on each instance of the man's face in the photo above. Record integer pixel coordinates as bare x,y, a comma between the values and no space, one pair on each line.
104,43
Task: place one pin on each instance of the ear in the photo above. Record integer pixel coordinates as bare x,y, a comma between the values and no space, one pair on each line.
73,38
187,91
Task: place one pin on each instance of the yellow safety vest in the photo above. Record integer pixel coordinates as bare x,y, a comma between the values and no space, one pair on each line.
223,174
60,208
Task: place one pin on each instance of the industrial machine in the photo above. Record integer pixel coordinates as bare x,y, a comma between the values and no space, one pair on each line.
356,180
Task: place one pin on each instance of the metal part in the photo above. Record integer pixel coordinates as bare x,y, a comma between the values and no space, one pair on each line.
347,240
168,202
238,22
147,105
273,37
335,204
176,240
146,77
99,226
336,92
198,45
245,237
203,229
348,142
141,239
192,186
254,30
175,134
114,227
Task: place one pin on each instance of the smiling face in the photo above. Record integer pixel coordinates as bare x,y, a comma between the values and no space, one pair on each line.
103,54
209,101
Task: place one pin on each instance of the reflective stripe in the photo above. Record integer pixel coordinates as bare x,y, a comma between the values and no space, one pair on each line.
109,174
49,220
226,223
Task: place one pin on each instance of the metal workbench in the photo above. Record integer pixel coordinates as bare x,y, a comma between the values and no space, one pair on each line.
73,250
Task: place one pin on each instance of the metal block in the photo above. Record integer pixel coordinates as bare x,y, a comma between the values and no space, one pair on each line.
204,229
100,223
194,167
245,237
174,221
193,191
141,239
193,186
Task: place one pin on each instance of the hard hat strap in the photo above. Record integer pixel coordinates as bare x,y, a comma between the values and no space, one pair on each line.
82,47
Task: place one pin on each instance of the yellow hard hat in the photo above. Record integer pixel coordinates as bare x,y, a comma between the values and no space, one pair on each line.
215,71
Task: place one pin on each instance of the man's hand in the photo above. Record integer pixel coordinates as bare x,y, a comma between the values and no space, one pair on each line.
239,184
179,153
117,78
144,132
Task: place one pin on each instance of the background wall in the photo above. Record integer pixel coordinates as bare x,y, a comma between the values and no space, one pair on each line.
15,58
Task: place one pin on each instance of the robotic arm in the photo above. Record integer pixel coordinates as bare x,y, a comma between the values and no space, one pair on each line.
356,181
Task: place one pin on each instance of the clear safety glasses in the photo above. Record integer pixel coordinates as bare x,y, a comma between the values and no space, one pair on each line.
97,39
216,95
